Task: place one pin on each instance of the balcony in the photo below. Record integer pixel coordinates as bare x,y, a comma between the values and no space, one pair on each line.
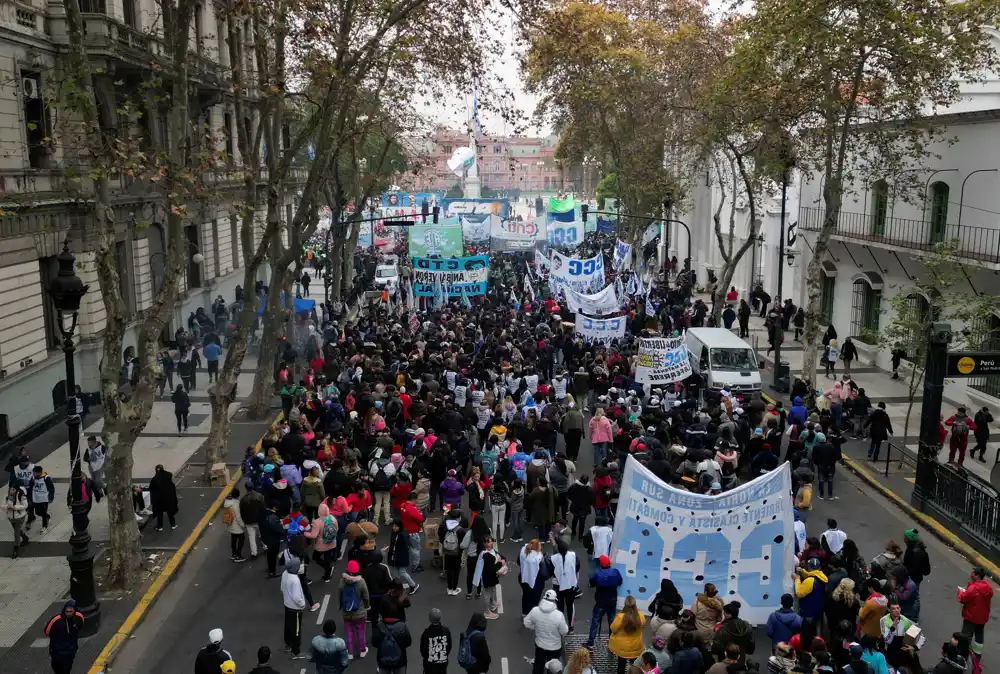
980,244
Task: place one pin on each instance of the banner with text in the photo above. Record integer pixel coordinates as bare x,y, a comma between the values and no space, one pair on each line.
475,209
600,329
741,541
605,302
460,276
622,251
565,233
444,239
416,199
662,360
477,231
515,235
583,276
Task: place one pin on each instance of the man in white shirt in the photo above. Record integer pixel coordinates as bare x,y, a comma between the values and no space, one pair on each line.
833,538
94,457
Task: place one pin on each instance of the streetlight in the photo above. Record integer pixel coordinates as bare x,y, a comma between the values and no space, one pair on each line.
67,290
787,158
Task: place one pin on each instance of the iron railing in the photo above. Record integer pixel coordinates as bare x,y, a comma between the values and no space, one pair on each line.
968,502
974,243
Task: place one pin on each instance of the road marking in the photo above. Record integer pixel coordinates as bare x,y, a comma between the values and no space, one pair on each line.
503,666
302,671
499,599
322,609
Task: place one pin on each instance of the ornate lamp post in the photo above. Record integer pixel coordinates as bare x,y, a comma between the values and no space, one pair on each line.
67,291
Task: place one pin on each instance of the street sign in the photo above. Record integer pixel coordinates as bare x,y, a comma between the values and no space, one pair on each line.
972,364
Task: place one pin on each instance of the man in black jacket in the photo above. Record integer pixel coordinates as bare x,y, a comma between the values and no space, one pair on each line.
435,645
263,660
271,533
480,648
252,512
982,433
211,657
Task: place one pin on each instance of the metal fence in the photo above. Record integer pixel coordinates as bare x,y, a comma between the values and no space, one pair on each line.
968,503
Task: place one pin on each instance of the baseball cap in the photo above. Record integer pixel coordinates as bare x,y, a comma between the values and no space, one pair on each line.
215,636
605,561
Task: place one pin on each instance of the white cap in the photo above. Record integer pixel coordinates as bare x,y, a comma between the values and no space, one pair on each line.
215,636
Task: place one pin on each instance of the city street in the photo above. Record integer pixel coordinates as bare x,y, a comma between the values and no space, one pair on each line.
211,591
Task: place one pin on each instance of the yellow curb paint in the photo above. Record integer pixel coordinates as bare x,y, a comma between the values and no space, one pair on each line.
149,597
928,522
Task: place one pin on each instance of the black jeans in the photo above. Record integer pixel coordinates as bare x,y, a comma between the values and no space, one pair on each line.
623,665
39,510
237,541
159,519
272,558
579,525
182,419
325,560
452,567
973,630
293,630
564,601
542,656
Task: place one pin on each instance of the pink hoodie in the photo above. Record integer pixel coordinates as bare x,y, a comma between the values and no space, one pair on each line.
337,506
316,530
600,430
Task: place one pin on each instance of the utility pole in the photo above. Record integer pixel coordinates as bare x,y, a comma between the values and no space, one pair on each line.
935,368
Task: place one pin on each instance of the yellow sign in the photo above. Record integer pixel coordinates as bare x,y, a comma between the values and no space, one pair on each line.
966,365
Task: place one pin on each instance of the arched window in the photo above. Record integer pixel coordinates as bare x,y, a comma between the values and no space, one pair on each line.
918,315
986,337
880,207
940,193
866,307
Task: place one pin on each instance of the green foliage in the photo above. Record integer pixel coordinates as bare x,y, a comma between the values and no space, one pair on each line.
607,188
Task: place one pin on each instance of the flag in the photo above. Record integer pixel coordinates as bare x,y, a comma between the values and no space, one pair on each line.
630,289
438,297
619,287
565,205
466,302
513,300
528,287
640,287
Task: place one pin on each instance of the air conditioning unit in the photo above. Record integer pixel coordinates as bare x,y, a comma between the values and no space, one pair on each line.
29,86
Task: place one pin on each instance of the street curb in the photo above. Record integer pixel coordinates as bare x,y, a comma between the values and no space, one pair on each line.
926,521
107,655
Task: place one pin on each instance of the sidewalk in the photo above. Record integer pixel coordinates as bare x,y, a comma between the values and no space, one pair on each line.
34,586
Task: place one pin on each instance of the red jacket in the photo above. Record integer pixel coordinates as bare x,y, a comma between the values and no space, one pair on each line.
600,485
975,601
399,493
412,518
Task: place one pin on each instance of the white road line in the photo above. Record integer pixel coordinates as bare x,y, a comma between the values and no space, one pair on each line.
499,599
322,609
302,671
503,666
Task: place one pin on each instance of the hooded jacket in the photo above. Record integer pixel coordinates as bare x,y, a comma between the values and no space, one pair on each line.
916,560
810,588
479,646
63,633
549,625
435,647
329,653
236,526
782,624
364,599
252,508
870,616
401,633
626,644
291,586
315,531
733,631
975,600
707,612
209,659
452,491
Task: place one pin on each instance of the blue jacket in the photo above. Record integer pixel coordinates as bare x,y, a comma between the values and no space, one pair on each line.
909,599
810,588
329,654
798,412
606,583
782,624
687,661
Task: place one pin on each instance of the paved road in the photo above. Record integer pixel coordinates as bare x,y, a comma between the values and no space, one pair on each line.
212,592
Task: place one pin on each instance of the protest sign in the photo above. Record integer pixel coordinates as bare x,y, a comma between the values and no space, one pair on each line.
515,235
583,276
565,233
741,541
622,252
443,238
662,360
459,276
475,209
605,302
600,329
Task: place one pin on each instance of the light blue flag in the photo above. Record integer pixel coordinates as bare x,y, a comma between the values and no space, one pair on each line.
466,302
438,298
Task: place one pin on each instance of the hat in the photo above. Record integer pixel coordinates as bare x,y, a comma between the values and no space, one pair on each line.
309,464
654,401
452,473
659,643
651,429
758,431
434,615
554,665
856,651
215,636
419,433
604,561
228,667
281,484
353,567
550,595
716,486
813,563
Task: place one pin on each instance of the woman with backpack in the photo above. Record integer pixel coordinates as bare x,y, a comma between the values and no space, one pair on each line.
354,605
324,531
451,533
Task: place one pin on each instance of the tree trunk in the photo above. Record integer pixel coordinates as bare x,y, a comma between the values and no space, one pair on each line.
335,262
347,263
722,287
274,328
814,284
126,547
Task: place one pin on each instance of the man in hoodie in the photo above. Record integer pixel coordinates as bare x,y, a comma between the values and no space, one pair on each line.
450,533
479,649
451,490
295,603
550,627
810,588
783,623
825,456
252,512
435,645
328,651
605,583
209,659
733,630
63,632
915,559
975,600
798,413
41,492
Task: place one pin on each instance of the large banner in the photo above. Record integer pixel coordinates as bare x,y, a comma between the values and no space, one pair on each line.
475,209
605,302
652,231
565,233
622,251
444,239
741,541
662,360
414,199
600,329
514,235
477,231
460,276
583,276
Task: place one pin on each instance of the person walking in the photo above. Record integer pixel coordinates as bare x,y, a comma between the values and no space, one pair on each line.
975,600
328,651
213,353
550,627
63,631
435,644
16,507
879,429
743,317
573,426
163,497
294,601
473,649
399,556
961,427
848,353
354,605
41,492
271,535
252,512
625,642
182,404
600,435
211,657
391,637
95,455
915,557
234,525
605,582
565,580
983,419
451,533
324,531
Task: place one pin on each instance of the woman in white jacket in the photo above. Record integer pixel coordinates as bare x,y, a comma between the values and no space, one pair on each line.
550,627
565,580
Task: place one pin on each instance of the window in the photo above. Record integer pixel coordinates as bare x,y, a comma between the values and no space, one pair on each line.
35,119
828,284
288,215
193,268
48,268
221,33
92,7
234,233
199,28
447,149
215,248
227,132
157,243
986,337
125,284
286,137
131,15
940,193
918,313
866,308
880,207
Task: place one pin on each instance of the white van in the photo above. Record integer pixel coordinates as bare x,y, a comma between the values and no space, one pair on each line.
723,360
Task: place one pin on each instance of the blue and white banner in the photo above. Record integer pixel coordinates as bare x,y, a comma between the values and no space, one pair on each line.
476,231
458,276
600,329
741,541
652,231
365,239
583,276
662,360
569,234
622,251
414,199
475,209
608,301
515,235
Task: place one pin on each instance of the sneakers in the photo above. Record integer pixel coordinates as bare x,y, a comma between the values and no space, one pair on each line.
821,498
414,589
364,653
45,530
239,560
468,596
158,529
490,615
298,657
454,592
314,607
834,498
350,656
173,526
